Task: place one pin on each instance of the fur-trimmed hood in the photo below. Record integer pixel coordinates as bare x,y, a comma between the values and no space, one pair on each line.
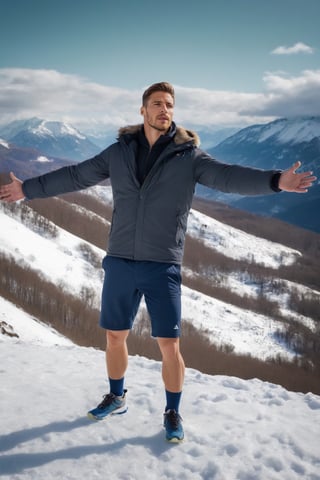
182,135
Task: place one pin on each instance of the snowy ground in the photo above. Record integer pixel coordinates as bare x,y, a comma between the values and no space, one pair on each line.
235,429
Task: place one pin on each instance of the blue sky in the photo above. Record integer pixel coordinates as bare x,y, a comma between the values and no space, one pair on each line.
231,61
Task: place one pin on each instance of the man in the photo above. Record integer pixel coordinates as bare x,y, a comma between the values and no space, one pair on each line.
153,169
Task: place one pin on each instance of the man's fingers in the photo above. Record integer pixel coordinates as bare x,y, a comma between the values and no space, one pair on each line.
306,181
4,195
295,166
307,178
14,178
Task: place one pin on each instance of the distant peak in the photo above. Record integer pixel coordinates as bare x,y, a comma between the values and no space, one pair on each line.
283,130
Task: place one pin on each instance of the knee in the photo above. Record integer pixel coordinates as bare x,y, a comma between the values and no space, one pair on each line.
116,338
169,347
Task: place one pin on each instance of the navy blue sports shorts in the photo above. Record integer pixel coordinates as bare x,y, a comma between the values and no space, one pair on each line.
126,281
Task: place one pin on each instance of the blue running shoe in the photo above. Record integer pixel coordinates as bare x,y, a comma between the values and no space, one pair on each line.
110,405
173,425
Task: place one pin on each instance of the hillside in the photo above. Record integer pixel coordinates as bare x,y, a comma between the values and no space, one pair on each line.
26,162
242,294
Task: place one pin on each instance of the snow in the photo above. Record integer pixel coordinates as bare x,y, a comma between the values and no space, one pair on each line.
284,130
67,129
59,260
27,327
43,159
101,192
237,244
249,333
242,286
292,130
55,129
4,143
234,429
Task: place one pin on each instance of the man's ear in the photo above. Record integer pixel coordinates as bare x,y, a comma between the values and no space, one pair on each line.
142,110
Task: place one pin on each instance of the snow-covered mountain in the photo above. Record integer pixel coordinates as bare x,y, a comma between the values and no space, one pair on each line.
276,145
234,429
282,131
57,139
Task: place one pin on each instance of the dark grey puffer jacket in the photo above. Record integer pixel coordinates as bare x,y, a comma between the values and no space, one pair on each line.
149,221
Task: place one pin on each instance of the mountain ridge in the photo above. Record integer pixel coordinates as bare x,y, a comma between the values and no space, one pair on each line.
53,138
276,145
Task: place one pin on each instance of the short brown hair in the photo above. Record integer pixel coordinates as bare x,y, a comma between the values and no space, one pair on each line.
157,87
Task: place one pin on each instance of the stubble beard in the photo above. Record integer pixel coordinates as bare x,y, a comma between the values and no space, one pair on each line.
159,129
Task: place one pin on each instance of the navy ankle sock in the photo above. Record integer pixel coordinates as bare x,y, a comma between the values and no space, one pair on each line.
116,386
173,400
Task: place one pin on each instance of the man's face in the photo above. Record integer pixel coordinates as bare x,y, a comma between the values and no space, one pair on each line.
158,112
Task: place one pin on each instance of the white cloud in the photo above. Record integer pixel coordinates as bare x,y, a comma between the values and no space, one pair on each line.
292,95
197,106
51,95
296,48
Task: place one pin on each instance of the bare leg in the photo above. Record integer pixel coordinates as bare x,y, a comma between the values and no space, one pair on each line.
172,364
117,361
117,353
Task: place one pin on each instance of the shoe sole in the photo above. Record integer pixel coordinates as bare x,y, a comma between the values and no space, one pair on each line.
119,411
175,440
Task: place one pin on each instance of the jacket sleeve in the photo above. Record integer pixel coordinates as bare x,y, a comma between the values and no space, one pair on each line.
232,178
70,178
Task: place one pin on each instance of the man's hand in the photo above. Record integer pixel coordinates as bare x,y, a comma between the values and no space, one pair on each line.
12,192
290,181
